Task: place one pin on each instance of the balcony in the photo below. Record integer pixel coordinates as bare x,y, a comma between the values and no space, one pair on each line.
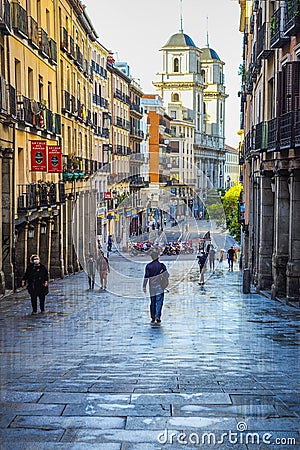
292,18
24,111
79,58
137,157
50,121
263,43
277,36
66,102
64,40
137,133
272,134
248,144
5,19
39,195
122,123
57,120
122,96
72,48
104,103
19,20
139,182
136,108
52,51
8,104
44,43
105,133
285,131
33,33
261,136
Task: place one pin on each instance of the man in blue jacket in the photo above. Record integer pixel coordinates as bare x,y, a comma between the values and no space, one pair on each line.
157,275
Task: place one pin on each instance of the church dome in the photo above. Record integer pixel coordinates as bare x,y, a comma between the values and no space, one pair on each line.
209,53
180,40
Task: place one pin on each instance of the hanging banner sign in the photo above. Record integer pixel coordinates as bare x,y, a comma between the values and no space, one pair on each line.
54,159
107,196
38,156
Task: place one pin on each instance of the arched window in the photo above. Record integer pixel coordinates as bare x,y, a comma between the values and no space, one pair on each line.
175,97
176,65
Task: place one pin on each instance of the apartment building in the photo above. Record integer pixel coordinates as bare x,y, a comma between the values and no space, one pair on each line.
270,156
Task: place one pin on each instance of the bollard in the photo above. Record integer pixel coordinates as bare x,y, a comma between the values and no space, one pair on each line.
246,281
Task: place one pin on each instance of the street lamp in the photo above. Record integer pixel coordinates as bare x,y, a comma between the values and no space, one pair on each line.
43,227
31,231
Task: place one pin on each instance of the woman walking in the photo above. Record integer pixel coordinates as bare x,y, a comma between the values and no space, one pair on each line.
36,276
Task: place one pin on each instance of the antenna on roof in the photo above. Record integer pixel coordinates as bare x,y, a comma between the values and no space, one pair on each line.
181,21
207,42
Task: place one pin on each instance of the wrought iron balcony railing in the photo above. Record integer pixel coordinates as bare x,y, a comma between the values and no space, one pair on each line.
19,20
38,195
33,33
292,17
277,35
5,19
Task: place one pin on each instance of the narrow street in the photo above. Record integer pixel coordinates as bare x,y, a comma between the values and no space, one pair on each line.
93,374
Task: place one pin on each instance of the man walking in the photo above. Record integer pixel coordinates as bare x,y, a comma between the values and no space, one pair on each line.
91,271
157,275
212,258
201,261
230,257
103,269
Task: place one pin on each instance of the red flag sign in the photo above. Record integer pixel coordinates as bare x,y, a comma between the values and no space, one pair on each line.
54,159
38,156
107,196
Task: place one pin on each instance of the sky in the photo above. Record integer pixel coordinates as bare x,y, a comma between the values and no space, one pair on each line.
135,30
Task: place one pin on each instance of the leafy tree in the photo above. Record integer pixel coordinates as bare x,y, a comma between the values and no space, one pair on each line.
231,208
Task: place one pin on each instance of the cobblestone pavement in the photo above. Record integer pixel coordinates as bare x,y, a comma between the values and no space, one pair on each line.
221,372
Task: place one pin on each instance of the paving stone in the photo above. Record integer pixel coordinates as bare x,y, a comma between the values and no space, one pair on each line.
219,359
14,397
204,398
23,435
65,422
35,409
65,398
114,409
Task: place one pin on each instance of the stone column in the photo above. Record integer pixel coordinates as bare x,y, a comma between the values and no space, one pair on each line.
21,253
2,278
281,233
43,242
7,220
265,247
293,266
55,267
69,234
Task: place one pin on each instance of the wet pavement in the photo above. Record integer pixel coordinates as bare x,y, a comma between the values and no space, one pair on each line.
221,372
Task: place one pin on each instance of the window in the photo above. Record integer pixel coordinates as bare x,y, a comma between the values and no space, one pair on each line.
173,114
30,83
175,97
176,65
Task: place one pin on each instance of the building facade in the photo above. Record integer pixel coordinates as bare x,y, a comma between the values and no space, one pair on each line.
231,167
192,81
270,154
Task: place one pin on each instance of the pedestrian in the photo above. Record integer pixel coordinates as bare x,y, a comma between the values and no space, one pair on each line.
230,258
158,277
36,277
103,269
91,271
201,262
212,258
109,243
222,251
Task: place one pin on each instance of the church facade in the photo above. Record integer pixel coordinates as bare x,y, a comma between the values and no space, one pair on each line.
191,84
